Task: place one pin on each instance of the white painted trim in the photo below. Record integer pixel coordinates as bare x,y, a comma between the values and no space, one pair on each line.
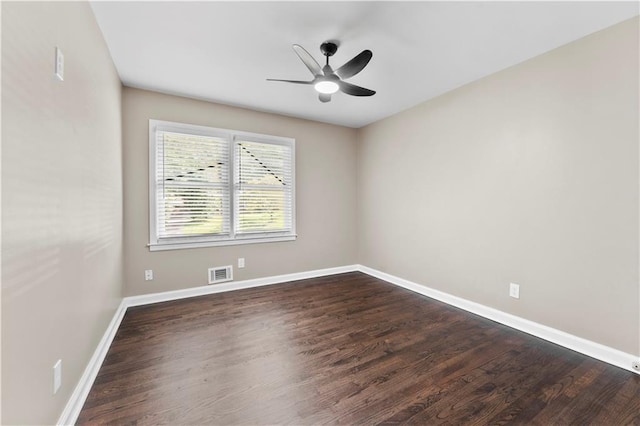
230,138
575,343
166,296
218,243
71,411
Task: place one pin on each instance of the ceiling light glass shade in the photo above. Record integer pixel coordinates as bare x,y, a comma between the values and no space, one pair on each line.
327,87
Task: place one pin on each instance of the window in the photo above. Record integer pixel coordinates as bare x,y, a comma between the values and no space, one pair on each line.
217,187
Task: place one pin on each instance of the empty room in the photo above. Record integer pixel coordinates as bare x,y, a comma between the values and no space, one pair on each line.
358,212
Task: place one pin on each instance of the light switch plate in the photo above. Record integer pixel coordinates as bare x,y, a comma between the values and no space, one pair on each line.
57,376
59,64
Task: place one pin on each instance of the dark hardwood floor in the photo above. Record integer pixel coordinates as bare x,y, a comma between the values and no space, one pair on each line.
344,349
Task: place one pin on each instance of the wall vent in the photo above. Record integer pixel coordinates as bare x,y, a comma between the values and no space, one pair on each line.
220,274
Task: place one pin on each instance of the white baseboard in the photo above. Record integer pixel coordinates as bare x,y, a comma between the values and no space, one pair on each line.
71,411
166,296
575,343
76,401
578,344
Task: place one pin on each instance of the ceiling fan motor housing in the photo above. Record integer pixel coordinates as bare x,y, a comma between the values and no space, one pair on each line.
328,48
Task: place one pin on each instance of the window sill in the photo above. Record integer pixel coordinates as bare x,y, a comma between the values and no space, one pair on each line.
219,243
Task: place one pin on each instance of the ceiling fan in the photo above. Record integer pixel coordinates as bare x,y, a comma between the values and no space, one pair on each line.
327,81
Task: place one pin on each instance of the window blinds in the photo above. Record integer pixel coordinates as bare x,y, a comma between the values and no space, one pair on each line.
214,187
192,194
263,187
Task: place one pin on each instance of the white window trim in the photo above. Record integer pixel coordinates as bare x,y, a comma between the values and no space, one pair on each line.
156,244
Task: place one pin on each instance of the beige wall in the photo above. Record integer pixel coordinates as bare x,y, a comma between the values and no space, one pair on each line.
61,203
527,176
325,196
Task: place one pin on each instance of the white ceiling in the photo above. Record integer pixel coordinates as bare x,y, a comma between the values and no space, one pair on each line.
224,51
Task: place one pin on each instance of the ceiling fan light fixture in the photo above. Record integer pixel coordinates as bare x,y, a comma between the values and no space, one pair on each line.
325,80
327,87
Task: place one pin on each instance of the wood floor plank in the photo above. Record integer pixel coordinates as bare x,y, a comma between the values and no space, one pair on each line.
344,349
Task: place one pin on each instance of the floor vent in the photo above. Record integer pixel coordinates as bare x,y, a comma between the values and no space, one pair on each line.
220,274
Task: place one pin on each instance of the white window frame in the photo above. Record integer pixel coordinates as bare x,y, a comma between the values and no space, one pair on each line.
231,136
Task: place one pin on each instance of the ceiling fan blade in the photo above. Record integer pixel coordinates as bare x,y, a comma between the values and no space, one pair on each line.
291,81
355,65
324,97
352,89
308,60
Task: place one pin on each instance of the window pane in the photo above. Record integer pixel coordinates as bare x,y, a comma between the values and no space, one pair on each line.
193,158
263,164
192,195
264,193
263,211
192,211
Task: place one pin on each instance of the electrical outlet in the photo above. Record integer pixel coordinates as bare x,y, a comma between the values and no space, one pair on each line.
148,275
241,262
57,376
514,290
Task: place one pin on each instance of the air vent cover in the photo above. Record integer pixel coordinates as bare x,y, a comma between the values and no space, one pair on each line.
220,274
